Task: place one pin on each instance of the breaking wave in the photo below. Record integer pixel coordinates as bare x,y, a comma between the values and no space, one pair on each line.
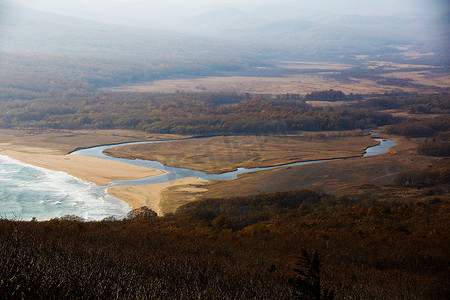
28,191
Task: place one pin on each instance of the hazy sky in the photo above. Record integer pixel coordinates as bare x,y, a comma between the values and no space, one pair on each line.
192,6
172,14
283,21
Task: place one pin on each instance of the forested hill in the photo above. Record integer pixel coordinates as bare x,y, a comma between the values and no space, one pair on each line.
26,30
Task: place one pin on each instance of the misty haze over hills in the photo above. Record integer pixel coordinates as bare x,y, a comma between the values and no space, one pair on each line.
286,28
284,25
93,44
173,13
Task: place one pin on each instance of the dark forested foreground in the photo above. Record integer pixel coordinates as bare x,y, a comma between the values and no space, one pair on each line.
241,248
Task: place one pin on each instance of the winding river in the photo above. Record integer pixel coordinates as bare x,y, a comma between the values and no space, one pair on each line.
172,173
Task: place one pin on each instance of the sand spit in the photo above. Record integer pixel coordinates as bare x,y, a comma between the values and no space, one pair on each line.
96,170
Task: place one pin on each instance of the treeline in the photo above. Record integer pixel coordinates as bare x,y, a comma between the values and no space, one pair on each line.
331,95
414,104
436,127
240,248
184,113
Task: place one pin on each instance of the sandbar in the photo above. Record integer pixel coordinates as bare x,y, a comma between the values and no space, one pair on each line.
96,170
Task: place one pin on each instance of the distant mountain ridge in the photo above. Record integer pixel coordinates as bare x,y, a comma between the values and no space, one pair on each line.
227,31
26,30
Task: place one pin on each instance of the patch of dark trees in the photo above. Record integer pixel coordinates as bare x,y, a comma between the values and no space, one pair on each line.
331,95
436,127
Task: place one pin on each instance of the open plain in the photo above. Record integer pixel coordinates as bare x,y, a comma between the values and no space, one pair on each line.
367,77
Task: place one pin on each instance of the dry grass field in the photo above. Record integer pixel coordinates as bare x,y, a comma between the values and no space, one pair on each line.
366,177
176,195
226,153
296,84
65,141
306,65
391,66
424,80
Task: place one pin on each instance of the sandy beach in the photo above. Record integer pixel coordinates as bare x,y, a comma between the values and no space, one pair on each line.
96,170
150,194
48,150
102,172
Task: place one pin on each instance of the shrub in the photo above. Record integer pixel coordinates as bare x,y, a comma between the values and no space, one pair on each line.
142,213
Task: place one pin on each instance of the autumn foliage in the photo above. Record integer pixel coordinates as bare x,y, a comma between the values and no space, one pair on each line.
184,113
241,248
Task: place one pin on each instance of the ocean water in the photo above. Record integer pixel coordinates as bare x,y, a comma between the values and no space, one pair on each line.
27,191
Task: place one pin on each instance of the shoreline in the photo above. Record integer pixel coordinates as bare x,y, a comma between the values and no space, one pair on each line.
101,172
95,170
98,171
50,149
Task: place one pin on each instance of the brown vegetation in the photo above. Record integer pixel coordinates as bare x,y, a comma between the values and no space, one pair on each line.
415,105
423,178
227,153
353,176
414,128
64,141
435,148
184,114
360,82
245,247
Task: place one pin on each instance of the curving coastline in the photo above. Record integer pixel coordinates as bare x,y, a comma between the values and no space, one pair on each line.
139,182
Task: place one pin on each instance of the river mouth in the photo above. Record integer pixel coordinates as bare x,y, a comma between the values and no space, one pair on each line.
172,173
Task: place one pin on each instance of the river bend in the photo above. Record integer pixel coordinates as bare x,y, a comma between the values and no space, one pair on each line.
172,173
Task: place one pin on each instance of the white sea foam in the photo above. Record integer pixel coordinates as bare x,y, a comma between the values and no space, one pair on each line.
28,191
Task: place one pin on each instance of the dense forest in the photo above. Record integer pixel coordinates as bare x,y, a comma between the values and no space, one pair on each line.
206,113
247,247
183,114
436,127
417,104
